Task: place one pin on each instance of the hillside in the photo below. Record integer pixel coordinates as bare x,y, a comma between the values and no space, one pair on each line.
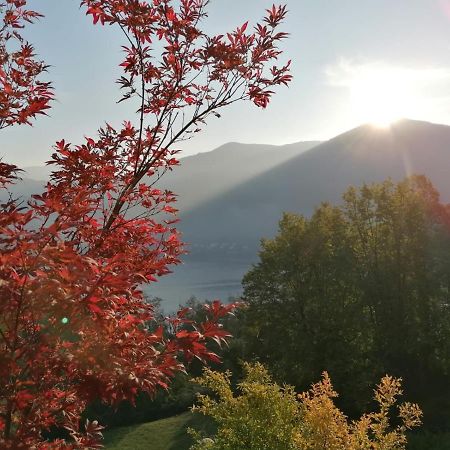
201,177
363,155
206,176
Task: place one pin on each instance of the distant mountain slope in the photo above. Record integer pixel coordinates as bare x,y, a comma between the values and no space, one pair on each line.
24,188
207,175
366,154
37,172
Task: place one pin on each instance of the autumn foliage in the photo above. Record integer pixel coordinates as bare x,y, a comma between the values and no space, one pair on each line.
264,416
74,323
22,94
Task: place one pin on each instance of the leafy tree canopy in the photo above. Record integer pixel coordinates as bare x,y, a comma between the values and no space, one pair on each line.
360,289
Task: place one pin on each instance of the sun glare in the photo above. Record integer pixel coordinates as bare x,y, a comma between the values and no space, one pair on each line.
380,93
381,97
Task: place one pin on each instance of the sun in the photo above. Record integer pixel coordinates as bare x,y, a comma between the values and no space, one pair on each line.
381,93
381,97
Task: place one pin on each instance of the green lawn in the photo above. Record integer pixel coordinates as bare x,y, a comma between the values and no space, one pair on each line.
165,434
170,434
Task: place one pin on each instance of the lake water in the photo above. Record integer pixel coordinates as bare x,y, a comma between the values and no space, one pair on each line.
206,280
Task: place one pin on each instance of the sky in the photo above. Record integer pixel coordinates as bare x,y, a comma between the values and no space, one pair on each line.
353,61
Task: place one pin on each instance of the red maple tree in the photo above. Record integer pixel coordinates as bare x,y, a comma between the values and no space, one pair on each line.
22,94
74,323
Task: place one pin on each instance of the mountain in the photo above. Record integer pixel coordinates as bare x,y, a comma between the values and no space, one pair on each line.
37,172
204,176
366,154
24,188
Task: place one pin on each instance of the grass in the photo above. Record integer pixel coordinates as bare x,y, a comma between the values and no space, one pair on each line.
164,434
170,434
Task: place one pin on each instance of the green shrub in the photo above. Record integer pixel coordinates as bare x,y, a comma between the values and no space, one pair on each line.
266,416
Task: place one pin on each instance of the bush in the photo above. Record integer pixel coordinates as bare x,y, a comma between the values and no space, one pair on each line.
264,415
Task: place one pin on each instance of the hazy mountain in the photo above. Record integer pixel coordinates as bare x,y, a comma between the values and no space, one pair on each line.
37,172
205,176
24,188
366,154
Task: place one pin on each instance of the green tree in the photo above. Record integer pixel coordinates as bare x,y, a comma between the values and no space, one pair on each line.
359,290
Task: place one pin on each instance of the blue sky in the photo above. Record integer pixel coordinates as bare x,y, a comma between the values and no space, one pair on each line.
350,58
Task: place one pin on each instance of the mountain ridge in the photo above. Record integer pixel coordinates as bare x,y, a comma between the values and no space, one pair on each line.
41,173
364,154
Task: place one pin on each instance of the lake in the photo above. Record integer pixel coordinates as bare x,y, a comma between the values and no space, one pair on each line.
206,280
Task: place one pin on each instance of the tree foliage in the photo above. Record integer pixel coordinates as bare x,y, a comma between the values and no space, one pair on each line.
265,416
359,290
74,324
23,94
